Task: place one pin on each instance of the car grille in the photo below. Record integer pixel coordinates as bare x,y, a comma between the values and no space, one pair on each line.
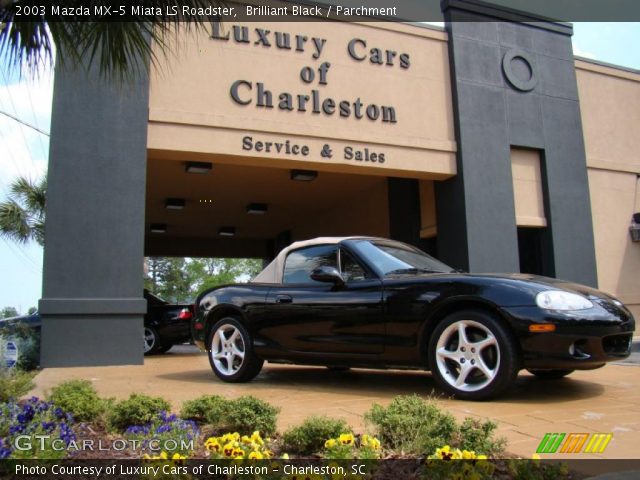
617,344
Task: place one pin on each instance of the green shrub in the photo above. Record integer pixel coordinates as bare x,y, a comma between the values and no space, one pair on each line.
244,415
478,436
209,408
310,436
412,425
14,383
80,398
138,409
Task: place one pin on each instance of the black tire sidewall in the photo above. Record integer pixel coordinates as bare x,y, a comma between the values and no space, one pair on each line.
251,365
507,371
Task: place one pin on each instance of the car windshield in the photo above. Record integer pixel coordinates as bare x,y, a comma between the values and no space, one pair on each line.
394,258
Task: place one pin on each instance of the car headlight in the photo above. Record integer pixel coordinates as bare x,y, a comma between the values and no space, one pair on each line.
559,300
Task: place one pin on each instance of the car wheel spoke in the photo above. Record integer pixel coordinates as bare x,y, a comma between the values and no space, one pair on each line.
462,334
448,354
486,371
463,374
484,343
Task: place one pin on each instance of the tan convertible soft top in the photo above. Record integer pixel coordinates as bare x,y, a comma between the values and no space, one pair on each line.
272,273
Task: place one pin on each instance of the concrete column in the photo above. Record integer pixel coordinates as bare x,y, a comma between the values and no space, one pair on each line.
92,307
513,85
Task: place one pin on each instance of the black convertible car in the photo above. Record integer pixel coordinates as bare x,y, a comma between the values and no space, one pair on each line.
372,302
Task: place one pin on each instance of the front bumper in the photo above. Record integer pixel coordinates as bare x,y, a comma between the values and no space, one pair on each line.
582,340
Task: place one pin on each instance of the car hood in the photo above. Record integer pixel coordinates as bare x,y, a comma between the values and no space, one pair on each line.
522,288
548,283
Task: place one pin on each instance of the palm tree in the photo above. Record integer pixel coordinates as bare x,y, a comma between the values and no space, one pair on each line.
120,48
22,214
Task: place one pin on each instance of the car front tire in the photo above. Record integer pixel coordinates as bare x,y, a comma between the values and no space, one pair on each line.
231,352
472,356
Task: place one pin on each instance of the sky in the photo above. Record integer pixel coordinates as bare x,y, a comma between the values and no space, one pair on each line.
24,151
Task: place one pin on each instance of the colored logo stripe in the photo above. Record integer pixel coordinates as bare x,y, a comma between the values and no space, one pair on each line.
550,443
574,442
598,442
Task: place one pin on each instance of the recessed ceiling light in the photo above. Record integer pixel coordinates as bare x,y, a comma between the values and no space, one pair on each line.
303,175
174,203
198,167
158,228
227,231
257,208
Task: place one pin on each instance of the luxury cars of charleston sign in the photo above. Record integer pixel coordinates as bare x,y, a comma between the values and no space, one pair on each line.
246,92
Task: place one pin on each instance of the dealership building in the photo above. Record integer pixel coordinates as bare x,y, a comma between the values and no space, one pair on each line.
486,143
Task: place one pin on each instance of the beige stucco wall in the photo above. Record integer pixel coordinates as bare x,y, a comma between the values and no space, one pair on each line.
366,212
610,106
191,110
527,188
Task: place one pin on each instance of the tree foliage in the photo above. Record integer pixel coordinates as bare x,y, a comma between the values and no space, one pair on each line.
181,279
22,214
119,49
8,312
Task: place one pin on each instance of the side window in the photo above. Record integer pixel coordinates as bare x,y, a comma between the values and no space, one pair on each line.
351,269
299,264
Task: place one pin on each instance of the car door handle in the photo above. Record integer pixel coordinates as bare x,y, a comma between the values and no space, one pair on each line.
284,299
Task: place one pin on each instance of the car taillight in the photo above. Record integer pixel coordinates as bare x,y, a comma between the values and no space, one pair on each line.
185,314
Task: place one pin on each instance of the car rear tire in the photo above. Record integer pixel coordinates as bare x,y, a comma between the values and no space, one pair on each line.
231,353
151,341
473,356
550,374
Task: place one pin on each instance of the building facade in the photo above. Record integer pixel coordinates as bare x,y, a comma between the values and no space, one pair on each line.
485,143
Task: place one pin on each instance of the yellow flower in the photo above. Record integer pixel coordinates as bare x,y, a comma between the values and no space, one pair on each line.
256,456
444,453
238,453
228,449
284,456
346,438
468,455
330,443
256,438
535,456
374,443
163,455
212,444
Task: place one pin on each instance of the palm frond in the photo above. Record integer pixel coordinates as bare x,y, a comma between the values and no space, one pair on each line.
121,50
14,222
31,195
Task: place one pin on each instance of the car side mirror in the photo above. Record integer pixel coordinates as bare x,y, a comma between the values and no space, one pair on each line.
327,275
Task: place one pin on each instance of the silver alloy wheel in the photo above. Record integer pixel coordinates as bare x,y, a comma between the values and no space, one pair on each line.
149,340
227,349
468,355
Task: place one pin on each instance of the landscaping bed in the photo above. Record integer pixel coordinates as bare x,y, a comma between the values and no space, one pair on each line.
410,435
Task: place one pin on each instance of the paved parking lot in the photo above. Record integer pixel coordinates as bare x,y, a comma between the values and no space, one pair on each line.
604,400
